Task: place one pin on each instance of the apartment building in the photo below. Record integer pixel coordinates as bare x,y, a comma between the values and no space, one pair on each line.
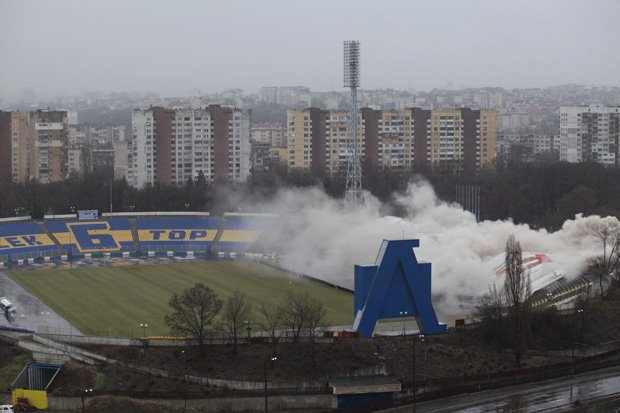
172,146
406,139
268,94
33,145
271,134
589,134
521,148
319,140
286,95
5,146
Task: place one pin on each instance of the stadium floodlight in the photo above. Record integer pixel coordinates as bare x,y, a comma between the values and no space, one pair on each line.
352,81
352,64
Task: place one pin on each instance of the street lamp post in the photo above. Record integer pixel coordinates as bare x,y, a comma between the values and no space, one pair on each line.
144,327
46,314
572,370
185,381
84,394
187,206
271,360
415,338
71,239
403,314
248,327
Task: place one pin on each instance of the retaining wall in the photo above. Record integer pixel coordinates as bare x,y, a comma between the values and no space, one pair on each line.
213,405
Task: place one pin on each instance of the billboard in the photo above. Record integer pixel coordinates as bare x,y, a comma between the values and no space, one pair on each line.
88,214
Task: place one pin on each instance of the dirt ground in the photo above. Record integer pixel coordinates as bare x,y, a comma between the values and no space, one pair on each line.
434,358
456,354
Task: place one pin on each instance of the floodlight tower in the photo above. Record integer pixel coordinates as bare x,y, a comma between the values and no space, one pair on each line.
352,81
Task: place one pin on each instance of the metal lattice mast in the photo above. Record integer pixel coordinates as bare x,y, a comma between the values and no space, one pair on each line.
352,81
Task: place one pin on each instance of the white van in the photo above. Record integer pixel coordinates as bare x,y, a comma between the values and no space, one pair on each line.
6,408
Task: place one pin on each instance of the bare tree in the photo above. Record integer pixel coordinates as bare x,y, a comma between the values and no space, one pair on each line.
236,310
607,233
491,313
295,312
518,291
272,319
315,317
193,313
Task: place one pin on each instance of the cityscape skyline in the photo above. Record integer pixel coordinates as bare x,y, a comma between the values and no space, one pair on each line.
71,47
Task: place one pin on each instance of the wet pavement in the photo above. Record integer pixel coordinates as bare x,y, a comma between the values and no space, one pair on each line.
32,314
549,396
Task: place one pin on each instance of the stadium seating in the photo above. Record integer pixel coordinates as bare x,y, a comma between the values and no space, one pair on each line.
54,239
177,234
240,232
25,240
16,329
109,235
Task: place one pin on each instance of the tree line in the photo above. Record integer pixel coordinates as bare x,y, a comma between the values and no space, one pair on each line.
542,195
506,314
198,311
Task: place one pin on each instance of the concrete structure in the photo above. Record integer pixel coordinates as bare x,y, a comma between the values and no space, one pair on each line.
171,146
33,145
520,148
589,134
319,140
21,141
286,95
102,162
396,286
394,140
5,147
75,162
121,154
361,392
414,138
271,134
50,146
463,137
268,94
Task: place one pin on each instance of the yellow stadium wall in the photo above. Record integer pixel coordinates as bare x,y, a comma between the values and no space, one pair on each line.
36,398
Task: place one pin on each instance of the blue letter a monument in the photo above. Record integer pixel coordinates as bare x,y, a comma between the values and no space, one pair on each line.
395,284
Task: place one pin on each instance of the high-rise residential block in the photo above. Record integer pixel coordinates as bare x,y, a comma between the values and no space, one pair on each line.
172,146
461,139
319,140
5,147
271,134
589,134
33,145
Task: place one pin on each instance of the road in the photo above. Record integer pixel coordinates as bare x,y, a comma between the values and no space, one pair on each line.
31,312
534,397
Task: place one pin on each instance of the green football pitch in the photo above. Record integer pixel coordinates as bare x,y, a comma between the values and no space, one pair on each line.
114,301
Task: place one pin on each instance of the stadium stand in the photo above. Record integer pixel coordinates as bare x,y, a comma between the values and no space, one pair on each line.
240,231
19,241
100,236
177,234
29,241
15,329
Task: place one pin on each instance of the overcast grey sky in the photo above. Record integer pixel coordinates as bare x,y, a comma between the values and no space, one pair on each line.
63,47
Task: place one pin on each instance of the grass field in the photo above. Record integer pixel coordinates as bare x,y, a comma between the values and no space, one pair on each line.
115,300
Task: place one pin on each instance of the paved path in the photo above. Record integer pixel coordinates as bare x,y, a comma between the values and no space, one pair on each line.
31,312
548,396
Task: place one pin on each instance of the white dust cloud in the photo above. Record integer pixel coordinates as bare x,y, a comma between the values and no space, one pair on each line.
324,238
